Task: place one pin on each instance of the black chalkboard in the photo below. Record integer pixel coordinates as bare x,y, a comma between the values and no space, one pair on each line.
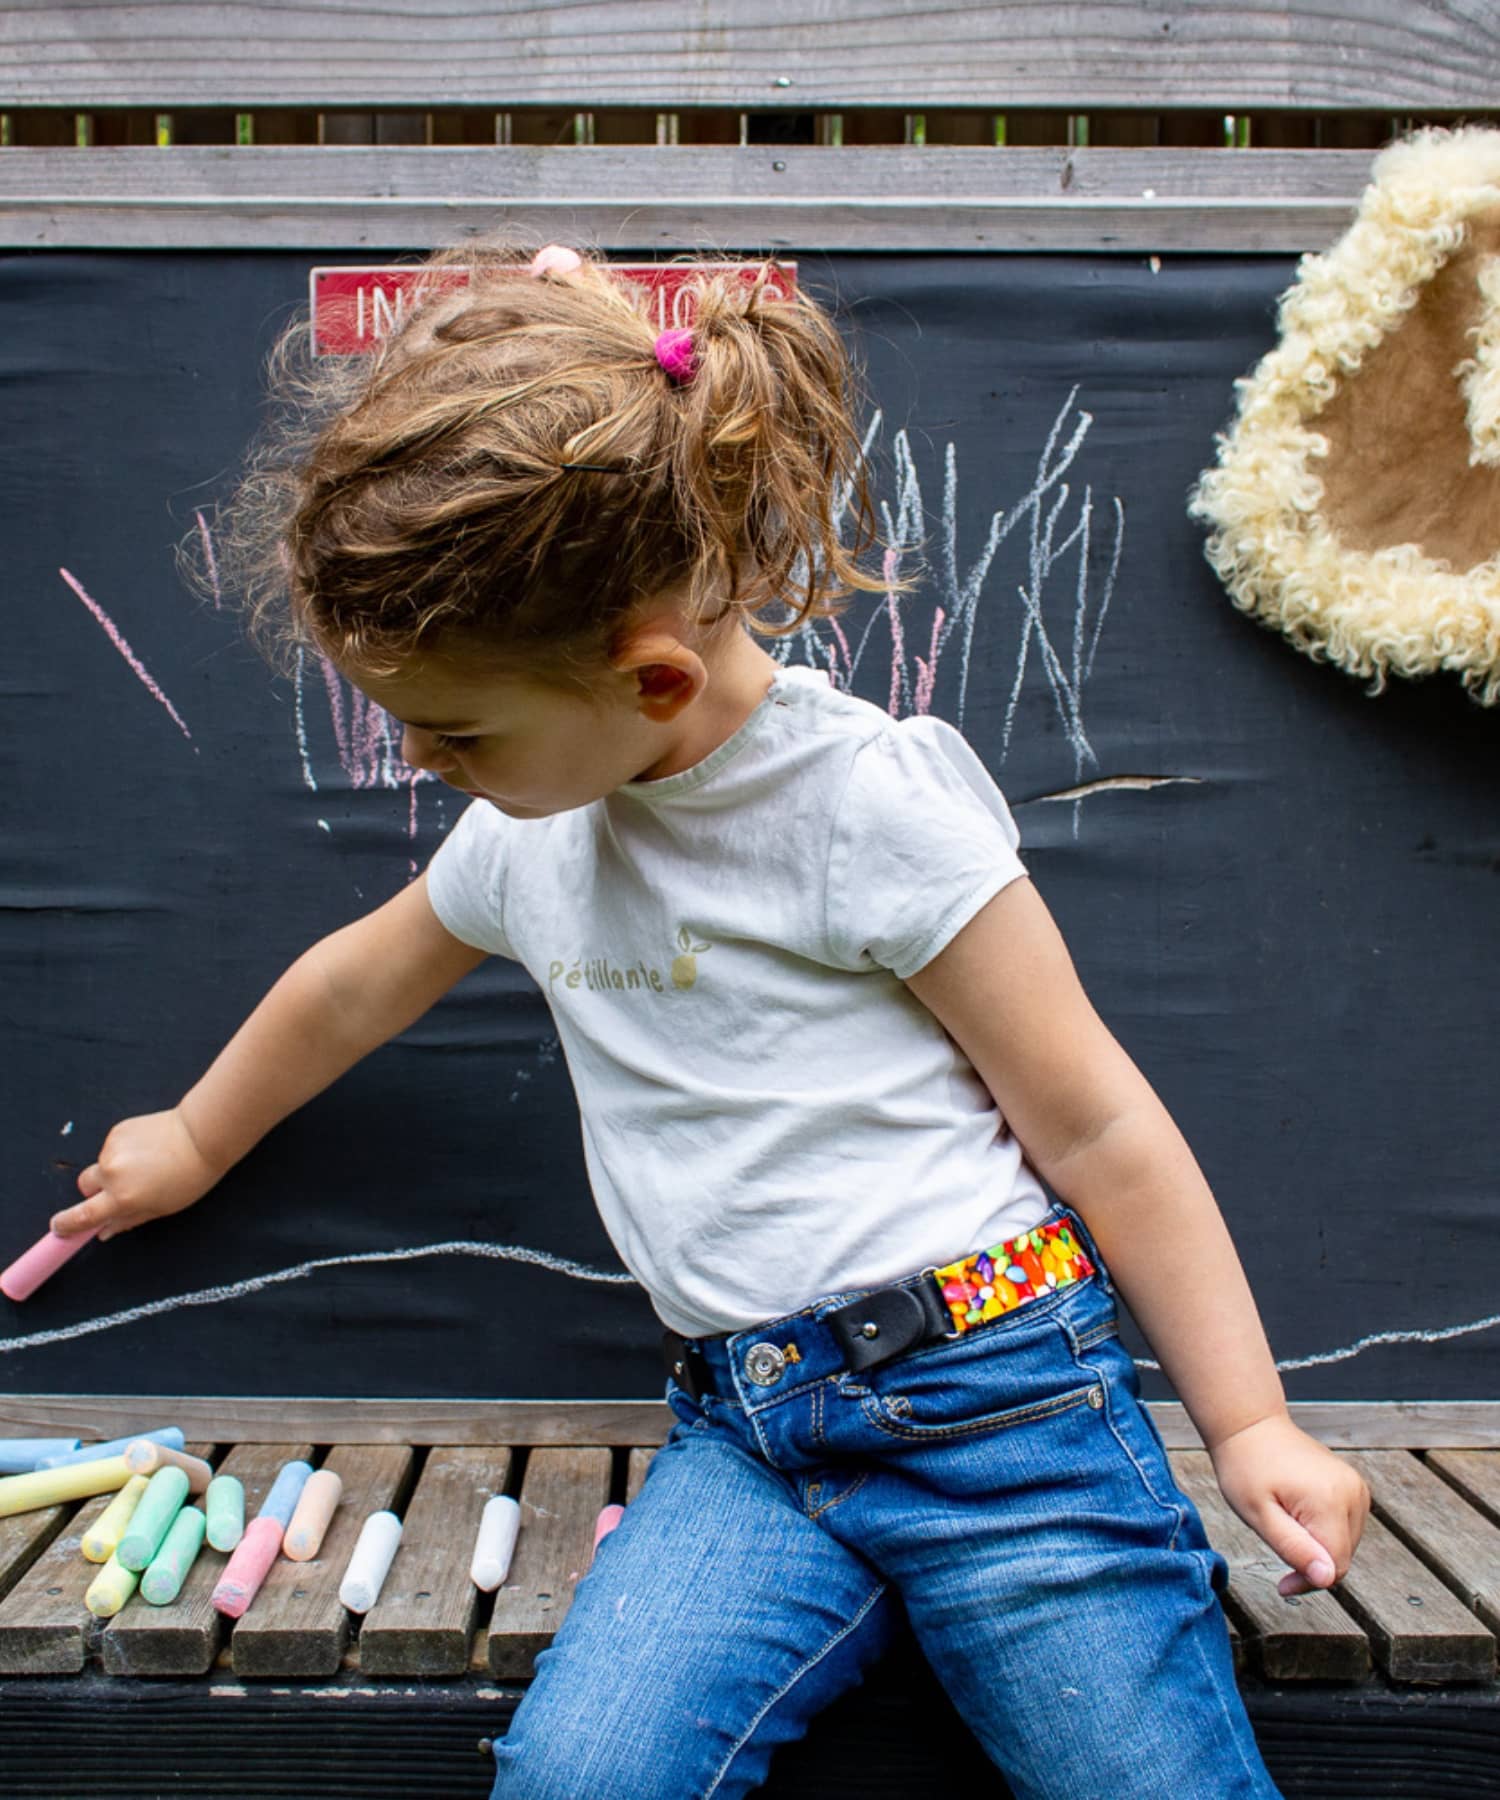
1289,919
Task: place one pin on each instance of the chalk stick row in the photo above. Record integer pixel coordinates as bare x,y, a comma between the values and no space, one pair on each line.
148,1536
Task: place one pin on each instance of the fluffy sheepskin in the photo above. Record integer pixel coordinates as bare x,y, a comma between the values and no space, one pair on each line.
1400,570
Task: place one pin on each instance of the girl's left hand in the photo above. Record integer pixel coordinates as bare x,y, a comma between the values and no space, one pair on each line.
1307,1504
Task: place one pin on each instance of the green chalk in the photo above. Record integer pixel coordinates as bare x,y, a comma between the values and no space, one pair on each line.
169,1567
225,1505
154,1513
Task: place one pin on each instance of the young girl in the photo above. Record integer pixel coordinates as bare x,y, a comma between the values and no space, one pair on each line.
544,537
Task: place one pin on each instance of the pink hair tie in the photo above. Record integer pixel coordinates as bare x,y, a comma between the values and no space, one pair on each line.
674,351
556,257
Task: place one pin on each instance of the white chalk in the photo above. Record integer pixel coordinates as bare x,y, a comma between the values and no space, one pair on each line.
496,1542
379,1540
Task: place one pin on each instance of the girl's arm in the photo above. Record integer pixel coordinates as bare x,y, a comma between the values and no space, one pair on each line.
348,993
1091,1124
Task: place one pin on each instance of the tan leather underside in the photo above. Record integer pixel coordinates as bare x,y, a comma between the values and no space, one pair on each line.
1397,470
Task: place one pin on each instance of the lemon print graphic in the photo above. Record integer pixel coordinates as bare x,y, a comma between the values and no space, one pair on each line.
685,967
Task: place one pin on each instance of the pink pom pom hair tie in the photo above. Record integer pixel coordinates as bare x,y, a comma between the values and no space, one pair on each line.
556,257
674,351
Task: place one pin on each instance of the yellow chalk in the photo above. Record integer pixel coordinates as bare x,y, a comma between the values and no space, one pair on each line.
103,1539
144,1456
73,1481
110,1589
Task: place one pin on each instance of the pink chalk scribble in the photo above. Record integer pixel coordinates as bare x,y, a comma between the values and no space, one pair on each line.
117,639
210,559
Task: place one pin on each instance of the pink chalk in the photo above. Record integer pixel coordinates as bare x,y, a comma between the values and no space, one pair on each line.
606,1522
45,1257
247,1566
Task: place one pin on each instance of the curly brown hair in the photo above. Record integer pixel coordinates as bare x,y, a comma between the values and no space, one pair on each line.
414,499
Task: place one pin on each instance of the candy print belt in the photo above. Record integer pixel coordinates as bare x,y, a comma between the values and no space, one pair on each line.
938,1304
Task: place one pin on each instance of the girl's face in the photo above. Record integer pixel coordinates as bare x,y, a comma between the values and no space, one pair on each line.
529,748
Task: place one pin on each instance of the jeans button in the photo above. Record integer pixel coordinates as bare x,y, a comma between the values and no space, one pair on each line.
764,1364
1096,1397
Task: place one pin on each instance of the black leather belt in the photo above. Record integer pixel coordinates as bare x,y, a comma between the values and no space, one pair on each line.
883,1323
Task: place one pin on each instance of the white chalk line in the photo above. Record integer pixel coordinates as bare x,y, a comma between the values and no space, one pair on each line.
1368,1342
561,1265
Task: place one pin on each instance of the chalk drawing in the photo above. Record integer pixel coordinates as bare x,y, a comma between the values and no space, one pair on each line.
130,656
213,1296
210,559
367,741
545,1056
824,642
561,1265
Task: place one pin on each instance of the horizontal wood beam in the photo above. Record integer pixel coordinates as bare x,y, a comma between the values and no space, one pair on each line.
1294,55
757,199
242,1419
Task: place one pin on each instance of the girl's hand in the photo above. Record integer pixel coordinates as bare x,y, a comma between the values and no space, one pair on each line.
1307,1504
149,1167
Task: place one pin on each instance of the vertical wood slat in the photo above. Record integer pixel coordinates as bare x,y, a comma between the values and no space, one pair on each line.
184,1637
296,1624
561,1497
1437,1524
424,1621
1297,1636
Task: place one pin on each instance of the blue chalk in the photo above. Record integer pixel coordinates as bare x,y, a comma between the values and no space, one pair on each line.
285,1492
170,1435
19,1456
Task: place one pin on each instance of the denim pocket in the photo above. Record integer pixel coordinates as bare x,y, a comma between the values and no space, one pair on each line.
1019,1372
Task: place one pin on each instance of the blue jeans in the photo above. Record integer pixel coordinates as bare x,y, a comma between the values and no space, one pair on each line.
1008,1484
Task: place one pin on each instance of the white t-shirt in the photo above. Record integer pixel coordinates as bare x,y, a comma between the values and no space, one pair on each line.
769,1115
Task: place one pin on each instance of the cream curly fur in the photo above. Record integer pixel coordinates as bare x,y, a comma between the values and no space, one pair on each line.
1393,609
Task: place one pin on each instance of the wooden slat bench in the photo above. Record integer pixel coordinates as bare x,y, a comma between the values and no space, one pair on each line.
1386,1686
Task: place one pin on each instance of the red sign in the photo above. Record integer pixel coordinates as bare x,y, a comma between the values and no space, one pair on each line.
353,308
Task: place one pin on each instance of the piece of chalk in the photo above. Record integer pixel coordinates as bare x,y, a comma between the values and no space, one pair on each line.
110,1589
608,1518
45,1487
225,1506
160,1504
19,1456
45,1257
285,1492
496,1542
102,1538
315,1508
379,1540
170,1435
247,1567
163,1578
144,1456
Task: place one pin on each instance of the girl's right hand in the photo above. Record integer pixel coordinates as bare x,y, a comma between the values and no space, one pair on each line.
148,1167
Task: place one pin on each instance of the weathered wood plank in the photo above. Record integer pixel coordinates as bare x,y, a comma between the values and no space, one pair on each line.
184,1637
635,1471
762,199
1419,1632
561,1495
24,1536
1296,1637
240,1419
1474,1473
778,55
296,1624
1458,1543
424,1620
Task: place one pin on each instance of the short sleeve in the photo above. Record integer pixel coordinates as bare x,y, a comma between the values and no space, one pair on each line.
466,878
922,839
